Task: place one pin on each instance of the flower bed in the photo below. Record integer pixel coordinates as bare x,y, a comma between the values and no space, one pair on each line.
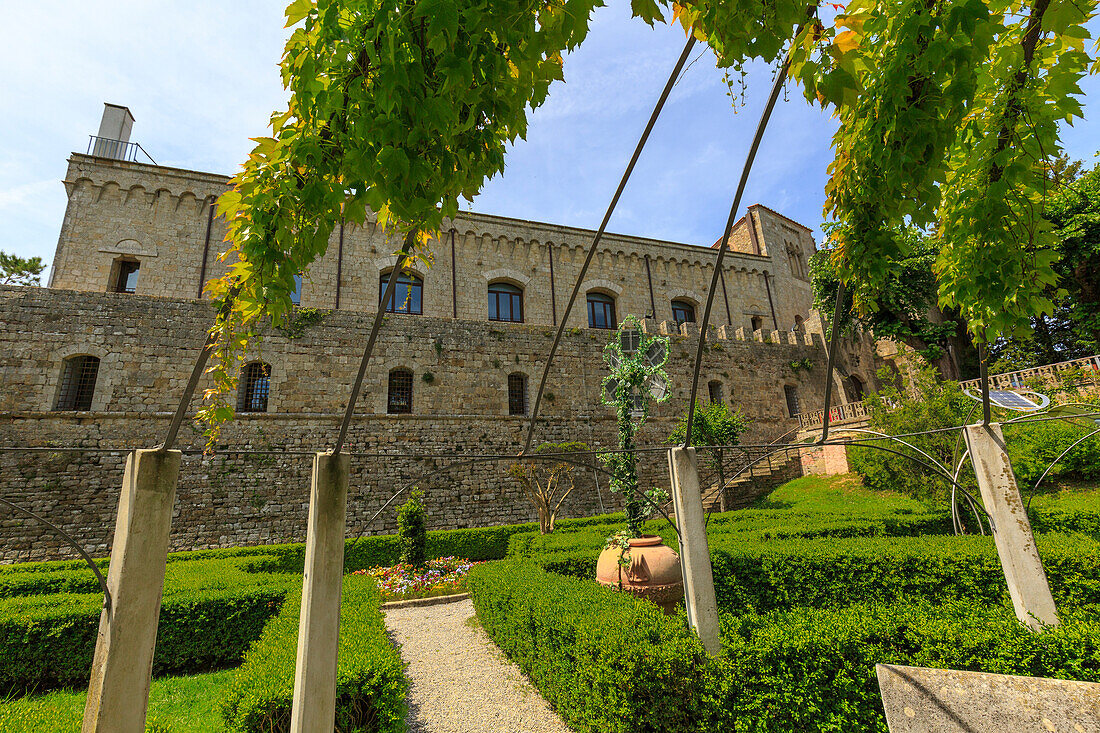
440,577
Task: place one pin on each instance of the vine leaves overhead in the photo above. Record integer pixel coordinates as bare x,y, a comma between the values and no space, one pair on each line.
947,110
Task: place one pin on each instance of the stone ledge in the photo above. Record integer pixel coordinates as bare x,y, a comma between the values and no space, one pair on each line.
433,601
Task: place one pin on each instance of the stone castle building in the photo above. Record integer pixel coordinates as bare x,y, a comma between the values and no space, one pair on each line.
99,358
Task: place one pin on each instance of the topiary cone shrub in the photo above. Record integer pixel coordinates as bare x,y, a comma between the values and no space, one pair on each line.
411,530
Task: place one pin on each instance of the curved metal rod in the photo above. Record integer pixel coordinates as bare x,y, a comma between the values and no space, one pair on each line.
87,558
599,234
391,286
955,518
196,372
474,461
1035,488
959,437
1045,415
777,87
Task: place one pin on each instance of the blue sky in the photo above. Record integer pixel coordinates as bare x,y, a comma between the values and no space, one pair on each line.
201,78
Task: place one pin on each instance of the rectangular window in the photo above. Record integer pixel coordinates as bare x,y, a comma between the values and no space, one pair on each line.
715,389
127,276
77,383
517,394
400,394
296,296
791,393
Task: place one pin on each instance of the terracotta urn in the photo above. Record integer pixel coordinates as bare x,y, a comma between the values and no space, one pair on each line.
653,571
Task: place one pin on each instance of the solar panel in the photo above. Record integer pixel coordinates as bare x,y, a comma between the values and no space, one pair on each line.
1011,400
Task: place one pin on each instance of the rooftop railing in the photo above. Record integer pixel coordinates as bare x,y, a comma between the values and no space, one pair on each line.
105,147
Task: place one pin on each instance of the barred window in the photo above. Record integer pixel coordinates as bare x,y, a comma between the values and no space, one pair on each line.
78,377
400,396
517,394
255,387
791,393
505,303
715,389
126,280
683,312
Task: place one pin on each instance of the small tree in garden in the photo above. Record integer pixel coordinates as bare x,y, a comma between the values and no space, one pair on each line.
547,483
636,361
714,424
411,530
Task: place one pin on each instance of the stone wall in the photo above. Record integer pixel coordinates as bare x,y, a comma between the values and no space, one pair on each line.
252,491
160,217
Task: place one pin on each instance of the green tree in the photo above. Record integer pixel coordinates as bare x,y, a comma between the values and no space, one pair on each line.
412,530
1072,329
716,425
904,308
15,270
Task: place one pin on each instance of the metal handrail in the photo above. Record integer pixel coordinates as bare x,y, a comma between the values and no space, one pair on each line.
105,147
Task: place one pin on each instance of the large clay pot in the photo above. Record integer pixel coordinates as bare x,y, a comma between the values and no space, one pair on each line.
653,572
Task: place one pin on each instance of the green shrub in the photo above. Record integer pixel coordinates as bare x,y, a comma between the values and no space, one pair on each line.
1032,447
411,531
606,661
212,610
370,687
815,669
609,662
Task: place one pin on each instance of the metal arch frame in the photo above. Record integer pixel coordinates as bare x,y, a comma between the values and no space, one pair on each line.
943,473
599,235
542,457
777,86
65,535
1035,488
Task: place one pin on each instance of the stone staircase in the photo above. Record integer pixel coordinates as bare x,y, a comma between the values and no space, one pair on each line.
756,482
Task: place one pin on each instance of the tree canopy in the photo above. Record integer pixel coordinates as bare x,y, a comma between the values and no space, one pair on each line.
403,106
15,270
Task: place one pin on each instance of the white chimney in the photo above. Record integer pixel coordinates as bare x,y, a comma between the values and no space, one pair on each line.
114,132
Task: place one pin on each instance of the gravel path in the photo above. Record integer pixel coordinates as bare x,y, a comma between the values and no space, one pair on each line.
460,682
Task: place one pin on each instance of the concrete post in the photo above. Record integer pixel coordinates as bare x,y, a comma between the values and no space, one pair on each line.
118,693
702,607
314,707
1027,581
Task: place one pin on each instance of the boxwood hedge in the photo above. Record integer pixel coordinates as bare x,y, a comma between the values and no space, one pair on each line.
371,684
609,662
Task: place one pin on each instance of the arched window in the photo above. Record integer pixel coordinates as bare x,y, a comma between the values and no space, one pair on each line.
254,388
757,323
505,303
715,389
407,296
683,312
399,399
517,394
601,311
798,323
78,377
791,393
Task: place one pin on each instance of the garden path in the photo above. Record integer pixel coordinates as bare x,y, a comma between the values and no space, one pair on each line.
460,682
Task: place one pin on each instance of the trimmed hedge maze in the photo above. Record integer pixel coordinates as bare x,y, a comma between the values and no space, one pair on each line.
809,602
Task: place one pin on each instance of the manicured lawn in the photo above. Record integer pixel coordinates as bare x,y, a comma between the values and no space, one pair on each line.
187,704
846,493
1070,499
836,494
